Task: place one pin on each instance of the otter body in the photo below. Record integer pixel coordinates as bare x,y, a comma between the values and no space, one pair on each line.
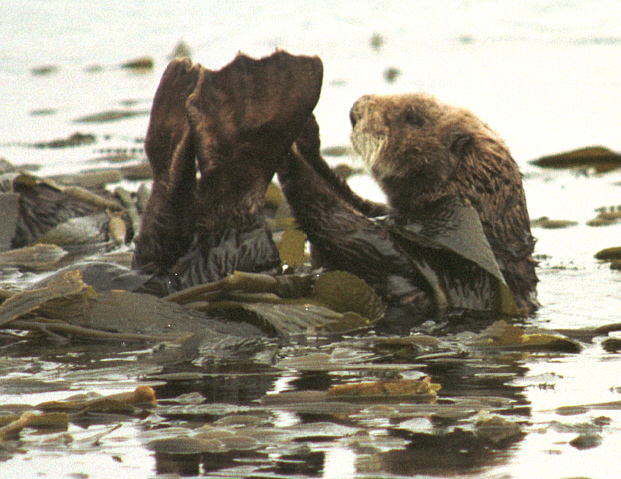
420,150
431,160
252,119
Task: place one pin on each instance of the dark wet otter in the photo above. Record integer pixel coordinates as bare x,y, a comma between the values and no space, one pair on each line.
422,152
420,149
243,123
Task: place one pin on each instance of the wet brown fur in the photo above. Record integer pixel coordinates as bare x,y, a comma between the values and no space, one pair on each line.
419,150
238,125
232,125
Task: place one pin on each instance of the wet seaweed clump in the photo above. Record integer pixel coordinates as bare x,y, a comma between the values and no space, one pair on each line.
376,42
606,216
140,64
599,158
610,255
391,74
181,50
76,139
548,223
44,70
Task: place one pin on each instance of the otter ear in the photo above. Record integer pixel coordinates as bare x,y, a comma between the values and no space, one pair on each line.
460,144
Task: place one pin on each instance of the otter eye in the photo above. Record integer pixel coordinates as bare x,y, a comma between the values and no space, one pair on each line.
412,118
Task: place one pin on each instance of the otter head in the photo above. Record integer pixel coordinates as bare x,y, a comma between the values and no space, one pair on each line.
414,145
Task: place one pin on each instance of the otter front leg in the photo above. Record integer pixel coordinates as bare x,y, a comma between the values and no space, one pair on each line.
347,240
308,145
168,223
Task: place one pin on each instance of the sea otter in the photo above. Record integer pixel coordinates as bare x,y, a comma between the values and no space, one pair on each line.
420,149
427,156
442,169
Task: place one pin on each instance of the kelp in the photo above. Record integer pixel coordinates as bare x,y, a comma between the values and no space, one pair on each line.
551,224
141,397
285,305
505,337
26,180
422,390
598,157
286,320
449,247
66,305
56,415
344,292
68,288
39,257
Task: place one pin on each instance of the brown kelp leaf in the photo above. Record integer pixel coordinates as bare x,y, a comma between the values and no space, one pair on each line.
77,139
547,223
408,347
302,318
25,181
412,388
36,258
152,318
185,445
142,396
609,254
16,426
44,70
82,230
66,288
95,179
503,336
110,115
54,420
606,216
496,428
598,157
140,63
344,292
273,196
181,50
238,281
449,247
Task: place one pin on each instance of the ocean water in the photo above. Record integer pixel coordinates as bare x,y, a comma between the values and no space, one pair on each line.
544,74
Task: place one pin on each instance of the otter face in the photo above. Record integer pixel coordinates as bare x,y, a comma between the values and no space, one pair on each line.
409,138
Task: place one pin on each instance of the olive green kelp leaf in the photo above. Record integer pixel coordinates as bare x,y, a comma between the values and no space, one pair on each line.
344,292
448,245
292,246
341,302
287,319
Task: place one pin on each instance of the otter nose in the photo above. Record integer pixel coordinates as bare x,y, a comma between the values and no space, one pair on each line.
357,110
354,115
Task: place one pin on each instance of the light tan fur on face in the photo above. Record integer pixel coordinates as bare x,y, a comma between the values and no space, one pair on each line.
431,145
